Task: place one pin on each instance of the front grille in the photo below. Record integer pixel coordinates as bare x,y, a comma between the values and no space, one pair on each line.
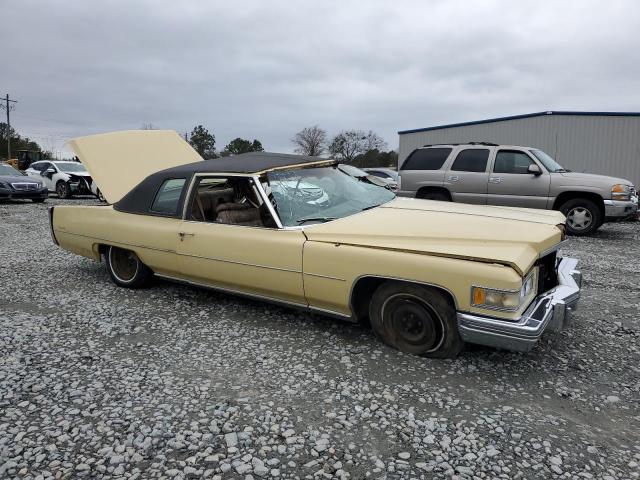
23,186
547,272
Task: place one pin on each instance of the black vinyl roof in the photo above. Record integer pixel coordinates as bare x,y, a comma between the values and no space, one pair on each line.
251,162
140,198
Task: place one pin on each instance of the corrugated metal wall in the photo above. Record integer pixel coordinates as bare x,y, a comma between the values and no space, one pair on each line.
608,145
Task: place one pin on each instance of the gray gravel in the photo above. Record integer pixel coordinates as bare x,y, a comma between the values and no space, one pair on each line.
175,382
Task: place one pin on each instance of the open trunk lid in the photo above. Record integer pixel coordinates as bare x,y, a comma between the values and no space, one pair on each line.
119,161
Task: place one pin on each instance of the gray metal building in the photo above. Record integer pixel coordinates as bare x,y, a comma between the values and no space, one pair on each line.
607,143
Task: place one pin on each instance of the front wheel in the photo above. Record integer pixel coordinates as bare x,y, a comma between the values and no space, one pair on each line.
583,216
126,269
415,319
63,190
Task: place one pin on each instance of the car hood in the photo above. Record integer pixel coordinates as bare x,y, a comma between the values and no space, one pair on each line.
119,161
505,235
577,178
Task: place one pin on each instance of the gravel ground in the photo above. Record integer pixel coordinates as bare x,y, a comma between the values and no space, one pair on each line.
176,382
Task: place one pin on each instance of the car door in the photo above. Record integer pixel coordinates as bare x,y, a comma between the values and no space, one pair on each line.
34,170
47,177
511,184
250,259
467,176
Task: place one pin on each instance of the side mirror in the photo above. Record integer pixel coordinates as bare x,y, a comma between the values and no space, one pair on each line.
53,170
535,169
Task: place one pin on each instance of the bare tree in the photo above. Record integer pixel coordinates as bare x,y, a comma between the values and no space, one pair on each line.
348,144
148,126
310,141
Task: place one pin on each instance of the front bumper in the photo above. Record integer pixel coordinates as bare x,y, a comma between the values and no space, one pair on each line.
549,311
615,209
10,194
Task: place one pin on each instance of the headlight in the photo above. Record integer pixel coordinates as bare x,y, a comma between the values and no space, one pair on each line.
4,185
621,192
510,300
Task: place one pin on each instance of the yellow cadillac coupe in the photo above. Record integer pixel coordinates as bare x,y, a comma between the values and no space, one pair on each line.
429,276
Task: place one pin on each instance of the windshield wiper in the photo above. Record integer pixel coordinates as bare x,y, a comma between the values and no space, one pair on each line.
315,219
370,207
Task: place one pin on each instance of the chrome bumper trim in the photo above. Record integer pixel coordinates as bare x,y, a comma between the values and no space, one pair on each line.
549,311
620,209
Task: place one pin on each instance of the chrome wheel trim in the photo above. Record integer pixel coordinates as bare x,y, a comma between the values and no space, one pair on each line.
431,311
579,218
131,256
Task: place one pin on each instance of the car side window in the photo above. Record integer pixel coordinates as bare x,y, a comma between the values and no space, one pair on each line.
426,159
168,197
471,160
229,200
512,161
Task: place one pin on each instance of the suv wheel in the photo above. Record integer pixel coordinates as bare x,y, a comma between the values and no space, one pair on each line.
583,216
438,196
63,190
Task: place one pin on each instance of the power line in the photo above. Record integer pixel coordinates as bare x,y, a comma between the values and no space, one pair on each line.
8,107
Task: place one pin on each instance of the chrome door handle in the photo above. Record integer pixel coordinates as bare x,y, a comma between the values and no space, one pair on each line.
495,179
453,178
184,234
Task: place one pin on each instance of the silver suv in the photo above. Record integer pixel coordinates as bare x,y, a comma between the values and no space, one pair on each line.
489,174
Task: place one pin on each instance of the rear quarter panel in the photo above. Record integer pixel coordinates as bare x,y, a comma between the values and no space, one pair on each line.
82,229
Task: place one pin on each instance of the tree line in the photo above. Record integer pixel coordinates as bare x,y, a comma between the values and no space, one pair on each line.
357,147
18,142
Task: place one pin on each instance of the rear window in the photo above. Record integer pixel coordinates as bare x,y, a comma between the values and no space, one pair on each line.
168,197
426,159
471,160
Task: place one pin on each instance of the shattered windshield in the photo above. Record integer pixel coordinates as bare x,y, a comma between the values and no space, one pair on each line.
317,195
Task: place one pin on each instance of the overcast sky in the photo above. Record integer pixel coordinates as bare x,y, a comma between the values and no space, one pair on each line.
258,69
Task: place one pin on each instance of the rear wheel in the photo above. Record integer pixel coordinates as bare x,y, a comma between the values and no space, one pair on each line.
415,319
126,269
583,216
63,190
439,196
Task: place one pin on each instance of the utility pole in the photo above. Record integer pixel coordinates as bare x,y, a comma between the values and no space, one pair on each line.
8,107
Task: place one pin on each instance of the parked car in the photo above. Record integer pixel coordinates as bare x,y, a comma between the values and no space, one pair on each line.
363,176
490,174
429,276
15,185
387,174
62,177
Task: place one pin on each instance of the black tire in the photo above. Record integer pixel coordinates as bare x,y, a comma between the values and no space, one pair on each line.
62,189
583,216
438,196
415,319
126,269
38,200
101,196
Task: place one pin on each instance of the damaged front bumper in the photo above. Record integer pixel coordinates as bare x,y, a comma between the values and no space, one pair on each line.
549,311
